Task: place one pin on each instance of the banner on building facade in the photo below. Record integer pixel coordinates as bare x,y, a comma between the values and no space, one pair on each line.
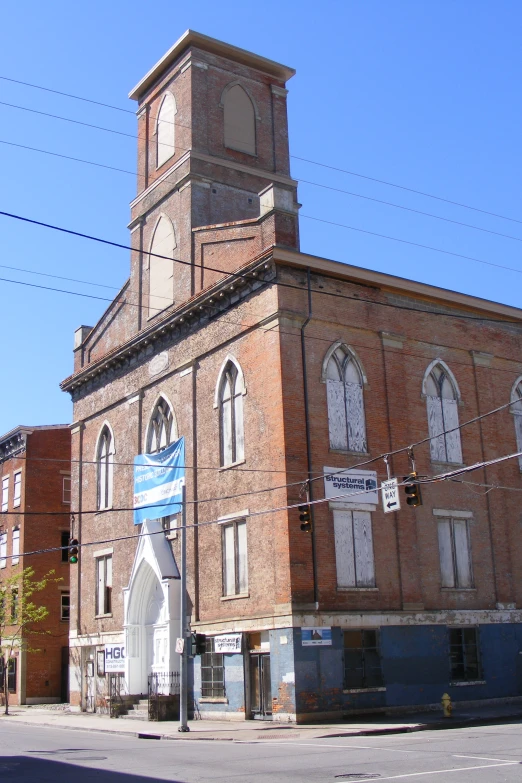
316,637
158,483
358,486
227,643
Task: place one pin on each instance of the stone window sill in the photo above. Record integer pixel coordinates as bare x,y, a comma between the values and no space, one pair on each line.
380,689
463,683
357,589
448,464
212,700
232,465
349,453
102,616
103,511
458,589
233,597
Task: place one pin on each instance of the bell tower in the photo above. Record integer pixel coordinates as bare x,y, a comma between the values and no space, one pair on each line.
212,137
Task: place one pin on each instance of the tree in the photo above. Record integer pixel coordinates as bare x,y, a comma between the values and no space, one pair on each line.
18,616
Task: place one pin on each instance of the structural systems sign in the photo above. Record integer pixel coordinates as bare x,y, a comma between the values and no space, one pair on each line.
355,486
227,643
158,483
316,637
114,658
390,496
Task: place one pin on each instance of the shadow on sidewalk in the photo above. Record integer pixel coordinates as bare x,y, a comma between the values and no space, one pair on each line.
38,770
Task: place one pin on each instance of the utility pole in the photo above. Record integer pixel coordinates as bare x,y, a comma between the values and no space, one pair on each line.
183,678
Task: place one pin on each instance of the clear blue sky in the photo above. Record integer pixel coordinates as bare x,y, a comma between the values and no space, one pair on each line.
422,94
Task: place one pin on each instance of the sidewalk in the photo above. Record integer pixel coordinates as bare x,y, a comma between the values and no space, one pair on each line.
254,731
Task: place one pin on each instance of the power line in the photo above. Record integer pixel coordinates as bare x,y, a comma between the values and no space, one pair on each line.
304,181
295,157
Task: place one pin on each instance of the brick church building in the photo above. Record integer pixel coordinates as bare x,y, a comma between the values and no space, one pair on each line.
277,366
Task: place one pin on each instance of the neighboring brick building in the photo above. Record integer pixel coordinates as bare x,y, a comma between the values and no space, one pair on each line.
35,472
275,366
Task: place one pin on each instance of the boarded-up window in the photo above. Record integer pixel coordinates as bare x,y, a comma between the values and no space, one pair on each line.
235,572
455,553
517,412
104,585
240,121
161,267
232,438
354,549
346,421
105,461
165,130
443,417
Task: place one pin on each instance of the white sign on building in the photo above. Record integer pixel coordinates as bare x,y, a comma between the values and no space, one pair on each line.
227,643
358,486
114,658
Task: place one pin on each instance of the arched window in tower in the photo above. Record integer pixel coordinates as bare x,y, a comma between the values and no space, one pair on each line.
165,130
161,268
344,385
162,427
516,410
240,120
105,464
442,395
230,391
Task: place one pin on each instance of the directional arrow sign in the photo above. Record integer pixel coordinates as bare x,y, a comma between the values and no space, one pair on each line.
390,496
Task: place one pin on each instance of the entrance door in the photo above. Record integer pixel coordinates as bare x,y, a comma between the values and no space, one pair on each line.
260,685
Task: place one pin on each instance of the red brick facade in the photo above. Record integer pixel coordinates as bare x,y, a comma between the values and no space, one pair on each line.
242,293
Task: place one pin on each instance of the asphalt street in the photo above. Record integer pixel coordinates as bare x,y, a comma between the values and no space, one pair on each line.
486,754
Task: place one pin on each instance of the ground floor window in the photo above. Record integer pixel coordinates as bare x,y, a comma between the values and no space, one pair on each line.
11,675
464,654
362,660
212,672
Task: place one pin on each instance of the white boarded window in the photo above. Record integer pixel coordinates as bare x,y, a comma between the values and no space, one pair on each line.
235,570
240,121
5,493
161,267
344,386
104,585
354,549
105,465
16,546
3,550
516,409
455,553
443,416
165,130
17,489
230,403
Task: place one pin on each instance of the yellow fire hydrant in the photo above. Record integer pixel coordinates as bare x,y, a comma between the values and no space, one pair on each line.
447,706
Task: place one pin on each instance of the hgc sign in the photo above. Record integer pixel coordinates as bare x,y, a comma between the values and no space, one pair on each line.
114,658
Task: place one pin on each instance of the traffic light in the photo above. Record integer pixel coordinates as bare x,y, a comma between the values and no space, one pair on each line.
412,490
198,644
73,550
305,518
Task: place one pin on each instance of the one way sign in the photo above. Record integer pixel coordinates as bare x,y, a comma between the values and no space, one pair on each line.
390,496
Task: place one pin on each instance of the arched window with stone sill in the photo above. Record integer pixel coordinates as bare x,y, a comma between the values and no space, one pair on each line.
239,119
442,398
161,266
162,429
165,148
105,468
344,378
230,390
516,410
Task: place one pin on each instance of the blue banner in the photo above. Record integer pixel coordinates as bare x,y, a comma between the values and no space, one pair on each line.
158,482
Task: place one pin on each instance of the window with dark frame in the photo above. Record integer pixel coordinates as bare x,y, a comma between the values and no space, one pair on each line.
104,585
14,604
65,536
11,674
235,569
212,672
464,655
362,660
65,606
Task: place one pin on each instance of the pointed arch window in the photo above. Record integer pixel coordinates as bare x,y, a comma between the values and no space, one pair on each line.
240,120
105,464
442,407
230,403
165,130
516,409
161,267
162,430
344,386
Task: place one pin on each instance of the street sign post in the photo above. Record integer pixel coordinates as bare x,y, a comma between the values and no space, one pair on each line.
390,496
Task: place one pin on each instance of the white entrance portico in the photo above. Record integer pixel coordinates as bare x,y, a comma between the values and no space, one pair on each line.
152,609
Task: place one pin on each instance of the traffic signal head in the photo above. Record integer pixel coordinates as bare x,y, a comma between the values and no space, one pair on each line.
305,518
412,490
73,550
198,643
